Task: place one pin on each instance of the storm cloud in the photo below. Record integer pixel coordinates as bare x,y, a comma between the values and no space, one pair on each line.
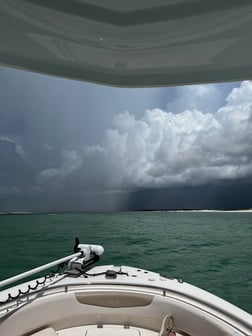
105,148
163,149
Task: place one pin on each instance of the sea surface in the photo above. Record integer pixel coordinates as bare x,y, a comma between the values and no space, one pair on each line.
212,250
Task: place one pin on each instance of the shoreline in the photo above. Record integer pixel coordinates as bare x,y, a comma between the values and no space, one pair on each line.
141,210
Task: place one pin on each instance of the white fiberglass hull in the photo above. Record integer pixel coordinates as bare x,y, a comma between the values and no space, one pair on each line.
125,300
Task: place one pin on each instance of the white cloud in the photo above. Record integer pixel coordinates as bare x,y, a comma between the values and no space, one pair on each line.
53,177
162,149
18,148
188,148
241,95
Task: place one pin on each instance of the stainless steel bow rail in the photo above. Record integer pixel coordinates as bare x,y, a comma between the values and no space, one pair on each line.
85,255
88,253
38,269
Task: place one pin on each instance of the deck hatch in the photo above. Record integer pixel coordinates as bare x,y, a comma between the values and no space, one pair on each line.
114,300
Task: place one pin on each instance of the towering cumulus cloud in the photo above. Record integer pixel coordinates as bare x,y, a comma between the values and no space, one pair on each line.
63,148
163,149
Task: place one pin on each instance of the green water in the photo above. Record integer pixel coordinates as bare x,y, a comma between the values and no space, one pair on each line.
210,250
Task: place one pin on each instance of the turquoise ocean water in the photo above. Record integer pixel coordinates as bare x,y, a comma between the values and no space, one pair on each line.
212,250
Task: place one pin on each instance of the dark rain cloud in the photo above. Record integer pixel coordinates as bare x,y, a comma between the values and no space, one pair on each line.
66,145
162,149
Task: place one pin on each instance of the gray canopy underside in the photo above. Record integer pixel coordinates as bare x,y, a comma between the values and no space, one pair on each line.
131,43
